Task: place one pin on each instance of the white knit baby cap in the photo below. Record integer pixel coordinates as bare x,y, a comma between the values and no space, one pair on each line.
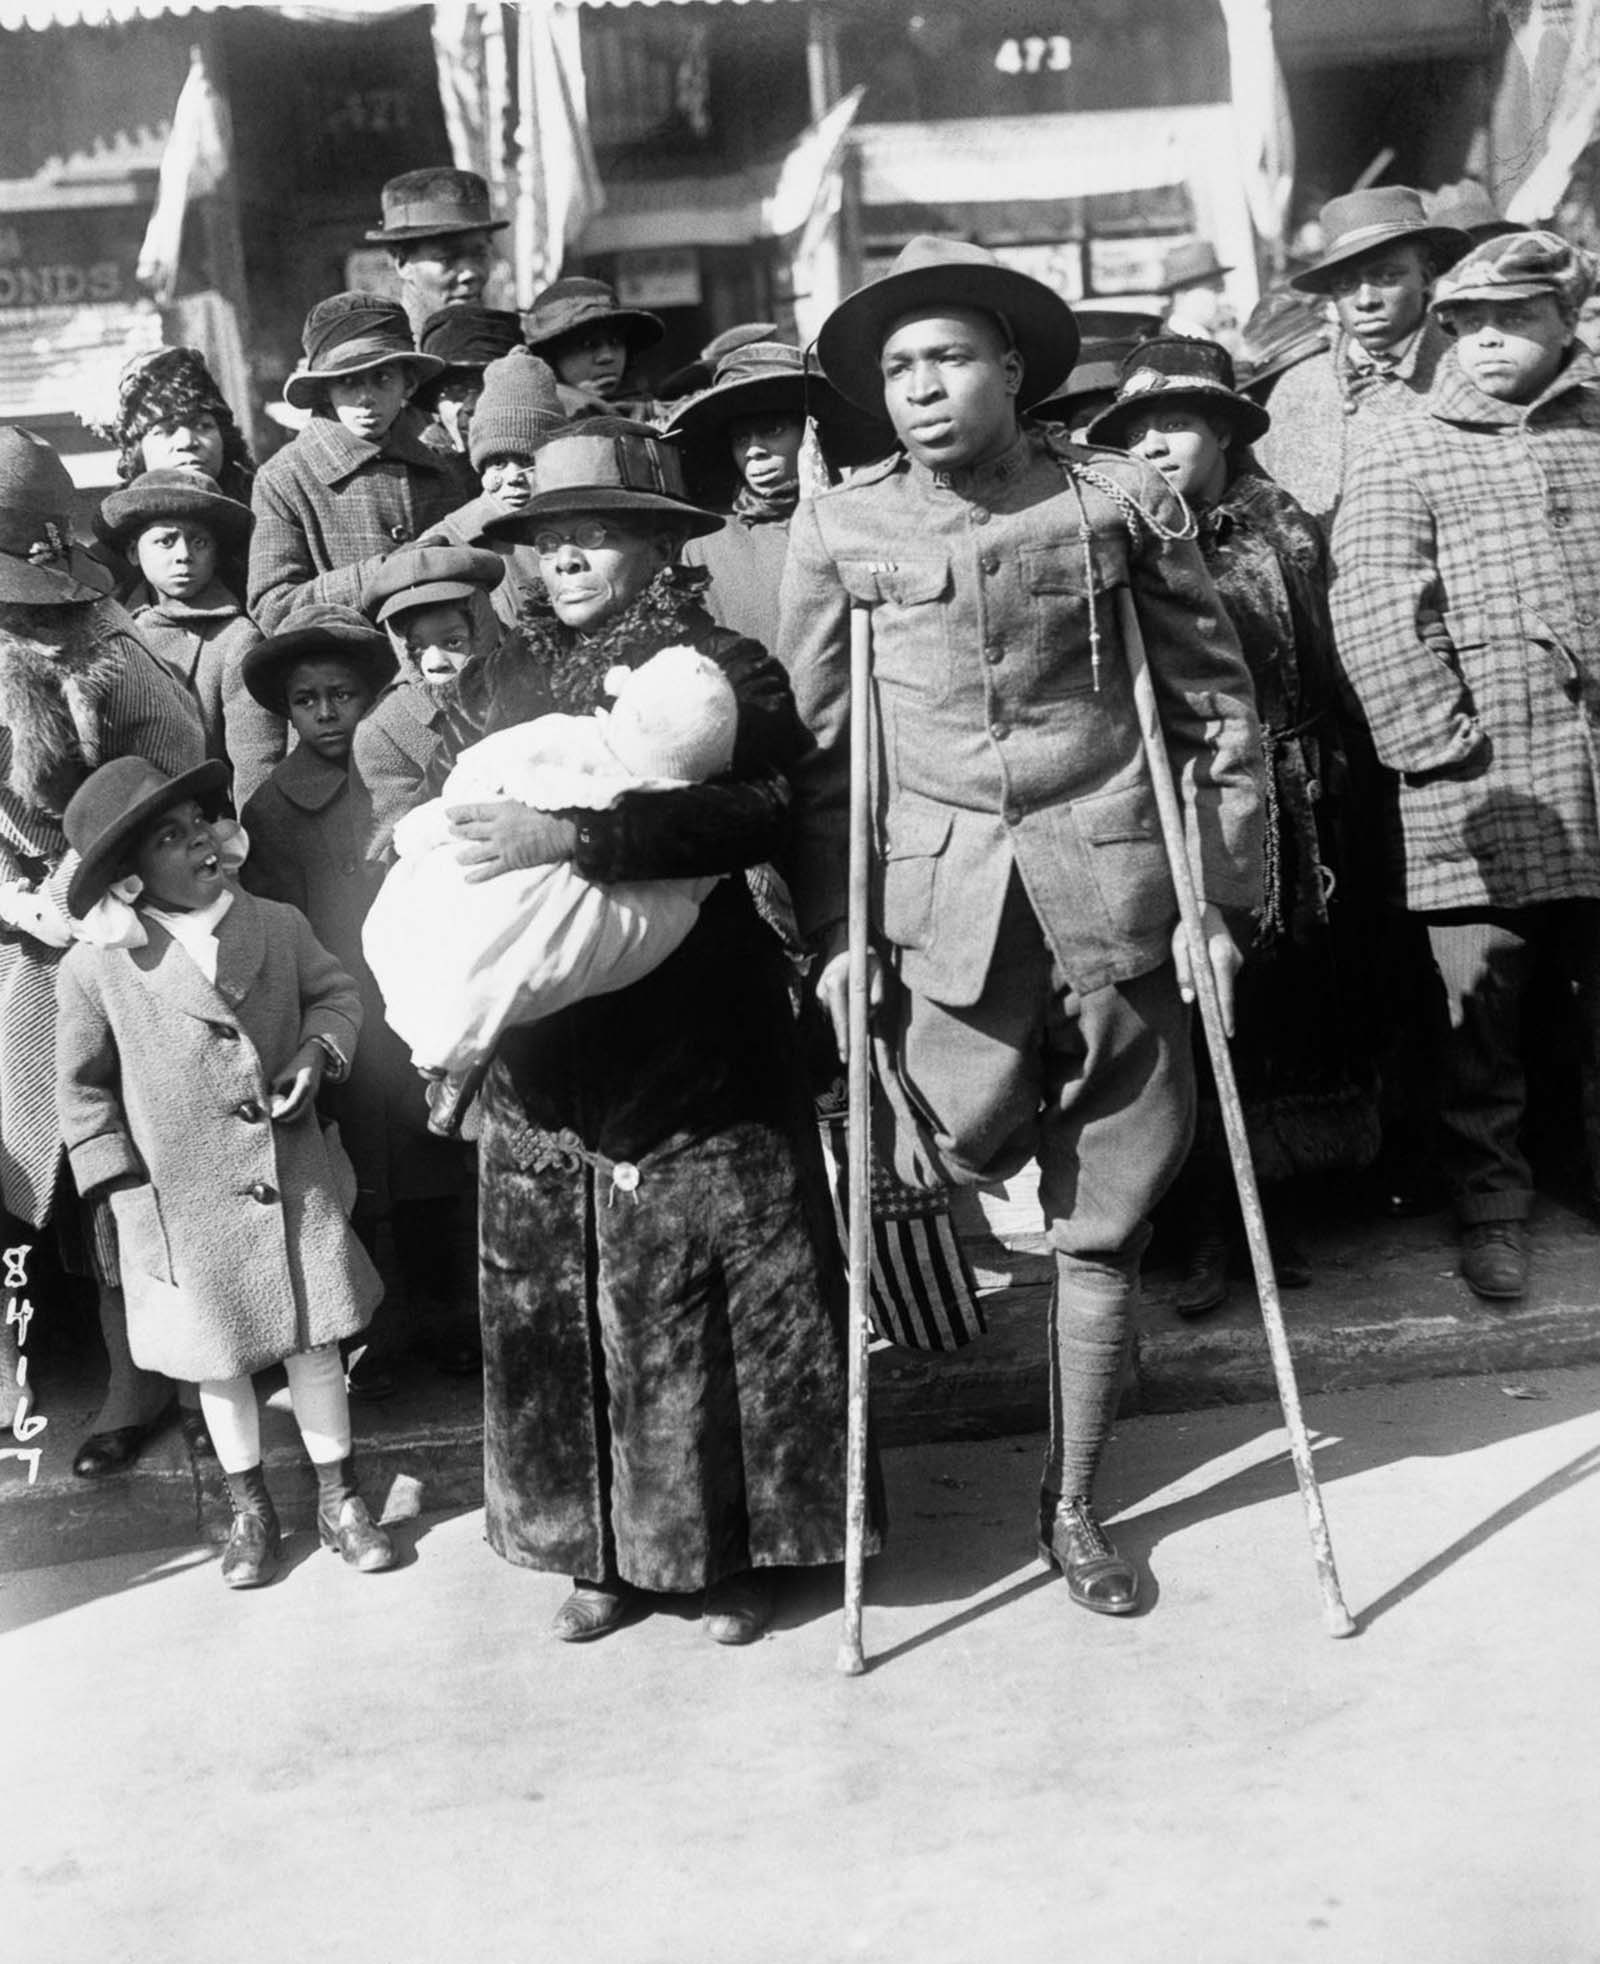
675,717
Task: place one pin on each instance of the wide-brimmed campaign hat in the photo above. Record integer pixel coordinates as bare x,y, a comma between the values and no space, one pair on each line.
164,494
430,576
1193,263
607,463
349,333
427,204
41,564
107,812
317,633
571,305
1363,221
931,273
1518,266
765,378
1178,368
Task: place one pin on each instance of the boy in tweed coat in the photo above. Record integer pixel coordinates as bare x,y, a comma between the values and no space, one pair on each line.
359,479
1467,610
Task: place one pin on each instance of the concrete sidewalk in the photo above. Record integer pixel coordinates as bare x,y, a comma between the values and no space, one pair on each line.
1387,1306
404,1768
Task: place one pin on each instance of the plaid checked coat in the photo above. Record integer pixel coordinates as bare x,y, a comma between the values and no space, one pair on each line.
1467,584
330,506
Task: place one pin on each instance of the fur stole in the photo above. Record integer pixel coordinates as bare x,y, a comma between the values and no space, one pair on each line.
55,673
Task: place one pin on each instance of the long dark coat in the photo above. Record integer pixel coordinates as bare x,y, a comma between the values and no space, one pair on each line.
663,1343
234,1248
310,827
1307,1084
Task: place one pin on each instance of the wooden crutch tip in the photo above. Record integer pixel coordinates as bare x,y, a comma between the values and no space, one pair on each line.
850,1663
1337,1621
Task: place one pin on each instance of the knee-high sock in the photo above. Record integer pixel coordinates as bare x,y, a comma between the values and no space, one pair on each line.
321,1406
233,1418
1091,1317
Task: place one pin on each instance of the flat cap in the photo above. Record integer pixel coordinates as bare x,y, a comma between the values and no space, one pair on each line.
1518,266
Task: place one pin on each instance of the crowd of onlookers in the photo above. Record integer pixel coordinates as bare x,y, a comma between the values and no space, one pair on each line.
494,563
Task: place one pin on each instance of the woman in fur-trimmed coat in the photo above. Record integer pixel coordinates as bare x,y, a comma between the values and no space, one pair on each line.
663,1344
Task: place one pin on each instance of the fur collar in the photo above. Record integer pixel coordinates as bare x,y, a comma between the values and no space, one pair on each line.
55,673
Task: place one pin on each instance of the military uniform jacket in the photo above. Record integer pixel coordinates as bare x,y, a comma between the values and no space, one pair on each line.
998,744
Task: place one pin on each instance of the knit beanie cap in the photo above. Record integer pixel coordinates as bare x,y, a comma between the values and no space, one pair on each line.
518,409
676,716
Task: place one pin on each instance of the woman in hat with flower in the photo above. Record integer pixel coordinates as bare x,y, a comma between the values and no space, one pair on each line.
1308,1092
359,479
663,1337
179,530
78,687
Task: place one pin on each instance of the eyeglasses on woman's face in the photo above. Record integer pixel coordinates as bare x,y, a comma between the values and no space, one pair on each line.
588,535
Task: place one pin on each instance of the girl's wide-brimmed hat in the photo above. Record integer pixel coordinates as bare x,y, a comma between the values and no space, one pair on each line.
317,633
1176,368
349,333
1363,221
41,564
607,463
164,494
766,378
567,306
428,204
114,804
430,576
931,273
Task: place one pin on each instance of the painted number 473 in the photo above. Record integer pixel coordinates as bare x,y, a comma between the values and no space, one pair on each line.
1034,54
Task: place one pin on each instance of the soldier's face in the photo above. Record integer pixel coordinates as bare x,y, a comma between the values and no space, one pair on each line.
950,385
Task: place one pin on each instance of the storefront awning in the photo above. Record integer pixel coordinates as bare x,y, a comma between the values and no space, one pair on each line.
40,14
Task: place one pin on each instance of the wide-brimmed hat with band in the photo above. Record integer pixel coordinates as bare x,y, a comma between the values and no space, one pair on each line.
1363,221
166,494
113,805
1180,368
572,305
765,378
428,204
321,632
430,576
931,273
41,564
607,463
348,333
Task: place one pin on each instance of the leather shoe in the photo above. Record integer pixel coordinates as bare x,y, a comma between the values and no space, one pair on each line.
739,1608
1494,1260
1097,1576
352,1532
192,1424
110,1452
251,1556
594,1609
1203,1286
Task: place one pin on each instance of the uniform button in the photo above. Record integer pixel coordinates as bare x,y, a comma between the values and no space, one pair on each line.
262,1192
979,515
994,652
999,731
399,533
1011,815
224,1030
989,563
249,1111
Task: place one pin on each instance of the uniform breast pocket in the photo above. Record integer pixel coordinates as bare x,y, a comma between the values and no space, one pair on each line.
1057,581
910,642
913,852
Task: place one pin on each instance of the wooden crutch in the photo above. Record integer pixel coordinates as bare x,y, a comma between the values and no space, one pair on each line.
851,1659
1335,1616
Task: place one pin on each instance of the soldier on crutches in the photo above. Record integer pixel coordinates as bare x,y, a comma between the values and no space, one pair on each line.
1036,1000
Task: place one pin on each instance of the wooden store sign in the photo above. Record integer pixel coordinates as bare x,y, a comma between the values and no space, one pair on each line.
69,258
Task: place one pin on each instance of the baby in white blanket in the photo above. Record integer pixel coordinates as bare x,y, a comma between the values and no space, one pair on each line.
458,962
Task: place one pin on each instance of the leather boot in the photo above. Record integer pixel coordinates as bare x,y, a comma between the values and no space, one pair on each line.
344,1523
1494,1260
1097,1576
252,1552
594,1609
